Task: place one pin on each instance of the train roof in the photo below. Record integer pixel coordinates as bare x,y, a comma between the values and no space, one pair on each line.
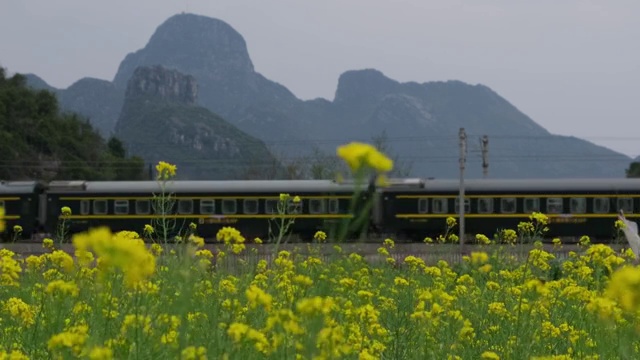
204,186
530,185
20,187
302,186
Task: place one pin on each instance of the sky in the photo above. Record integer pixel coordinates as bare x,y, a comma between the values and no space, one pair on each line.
573,66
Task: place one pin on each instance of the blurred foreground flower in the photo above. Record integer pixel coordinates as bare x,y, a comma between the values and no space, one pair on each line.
359,155
124,250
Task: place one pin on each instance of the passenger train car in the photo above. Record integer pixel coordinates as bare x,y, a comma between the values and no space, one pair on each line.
21,202
575,207
246,205
407,208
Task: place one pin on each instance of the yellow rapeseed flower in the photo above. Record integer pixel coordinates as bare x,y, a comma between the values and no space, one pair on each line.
194,353
47,243
148,230
66,288
18,309
100,353
257,296
165,170
489,355
624,288
10,268
123,250
13,355
358,155
196,240
73,339
482,239
320,236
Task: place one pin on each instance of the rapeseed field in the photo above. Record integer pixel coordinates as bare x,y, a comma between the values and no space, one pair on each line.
116,297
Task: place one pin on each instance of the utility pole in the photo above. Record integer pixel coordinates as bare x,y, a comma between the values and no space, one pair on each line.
463,155
484,143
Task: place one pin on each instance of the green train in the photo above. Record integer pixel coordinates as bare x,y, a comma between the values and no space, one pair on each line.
405,209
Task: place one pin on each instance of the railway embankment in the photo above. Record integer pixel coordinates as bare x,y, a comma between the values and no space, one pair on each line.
430,253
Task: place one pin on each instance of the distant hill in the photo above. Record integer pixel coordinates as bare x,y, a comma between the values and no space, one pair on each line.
421,120
39,142
160,120
99,100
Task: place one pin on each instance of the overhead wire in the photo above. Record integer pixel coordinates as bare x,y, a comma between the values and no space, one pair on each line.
423,158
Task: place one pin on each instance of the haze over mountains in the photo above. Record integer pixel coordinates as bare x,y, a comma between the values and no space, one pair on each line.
161,120
420,120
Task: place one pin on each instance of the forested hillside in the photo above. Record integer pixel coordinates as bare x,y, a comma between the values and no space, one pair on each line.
39,142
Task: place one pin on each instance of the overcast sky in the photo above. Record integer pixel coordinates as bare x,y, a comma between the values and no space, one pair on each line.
573,66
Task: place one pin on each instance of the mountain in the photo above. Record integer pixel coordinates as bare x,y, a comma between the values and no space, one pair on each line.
425,119
160,120
420,120
216,55
98,100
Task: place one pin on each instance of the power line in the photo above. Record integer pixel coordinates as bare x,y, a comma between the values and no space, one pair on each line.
439,138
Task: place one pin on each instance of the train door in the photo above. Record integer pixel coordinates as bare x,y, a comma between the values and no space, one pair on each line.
42,212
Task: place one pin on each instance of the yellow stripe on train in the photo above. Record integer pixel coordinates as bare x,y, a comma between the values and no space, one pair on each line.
196,216
523,215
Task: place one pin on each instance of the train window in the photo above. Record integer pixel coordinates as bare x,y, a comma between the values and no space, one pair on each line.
334,206
85,207
121,207
143,207
250,206
2,204
578,205
423,206
531,205
508,205
467,206
439,206
185,206
554,205
601,205
229,206
207,206
316,206
295,207
271,206
626,205
485,205
100,207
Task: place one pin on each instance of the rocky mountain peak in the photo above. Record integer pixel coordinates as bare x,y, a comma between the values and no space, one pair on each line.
192,44
162,83
369,84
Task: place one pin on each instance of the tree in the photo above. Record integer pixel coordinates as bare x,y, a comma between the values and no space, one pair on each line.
39,142
634,170
400,168
322,166
116,148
